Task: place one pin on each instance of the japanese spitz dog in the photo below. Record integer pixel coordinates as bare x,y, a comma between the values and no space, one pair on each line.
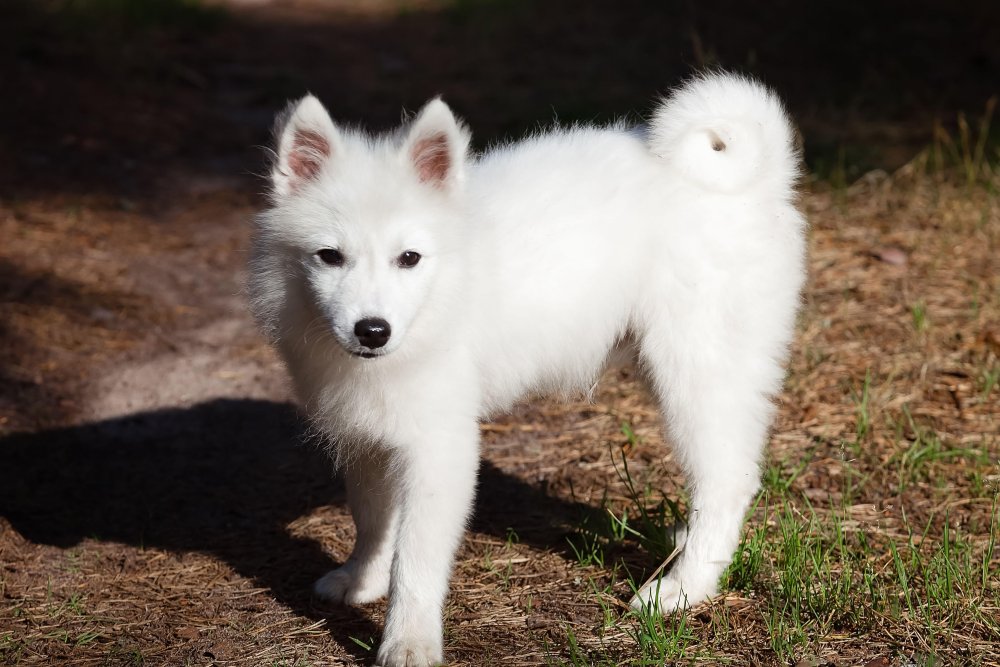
414,289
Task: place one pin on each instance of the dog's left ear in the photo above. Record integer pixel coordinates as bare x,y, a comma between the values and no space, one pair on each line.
436,146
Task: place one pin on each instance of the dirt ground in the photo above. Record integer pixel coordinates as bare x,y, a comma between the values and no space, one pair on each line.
158,502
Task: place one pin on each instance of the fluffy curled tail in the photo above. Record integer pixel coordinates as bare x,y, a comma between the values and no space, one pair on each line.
728,134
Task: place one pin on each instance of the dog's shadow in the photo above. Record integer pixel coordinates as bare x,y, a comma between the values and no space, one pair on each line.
224,478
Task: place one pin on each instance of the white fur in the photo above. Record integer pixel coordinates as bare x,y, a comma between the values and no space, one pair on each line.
538,258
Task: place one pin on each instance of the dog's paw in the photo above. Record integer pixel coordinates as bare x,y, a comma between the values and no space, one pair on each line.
345,586
404,653
669,595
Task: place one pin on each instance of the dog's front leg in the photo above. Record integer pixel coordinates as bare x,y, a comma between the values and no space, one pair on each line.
365,576
438,479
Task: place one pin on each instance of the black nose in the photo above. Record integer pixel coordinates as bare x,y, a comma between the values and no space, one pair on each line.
372,332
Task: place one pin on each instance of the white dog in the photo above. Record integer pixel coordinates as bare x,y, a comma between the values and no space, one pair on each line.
414,290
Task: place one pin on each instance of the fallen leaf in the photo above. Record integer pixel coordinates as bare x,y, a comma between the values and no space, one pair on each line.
891,255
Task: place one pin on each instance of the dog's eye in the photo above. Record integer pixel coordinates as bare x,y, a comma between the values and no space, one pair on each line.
408,259
331,256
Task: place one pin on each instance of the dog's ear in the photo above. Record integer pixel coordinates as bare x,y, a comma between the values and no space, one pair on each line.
307,138
436,146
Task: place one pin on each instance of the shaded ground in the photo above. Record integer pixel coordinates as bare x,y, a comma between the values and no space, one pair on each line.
156,505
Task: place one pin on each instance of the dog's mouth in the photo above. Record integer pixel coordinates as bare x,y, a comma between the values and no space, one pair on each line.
366,355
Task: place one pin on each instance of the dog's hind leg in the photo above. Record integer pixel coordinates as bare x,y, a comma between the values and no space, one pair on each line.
715,399
365,576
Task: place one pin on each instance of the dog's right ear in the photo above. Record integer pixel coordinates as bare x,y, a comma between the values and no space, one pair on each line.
307,138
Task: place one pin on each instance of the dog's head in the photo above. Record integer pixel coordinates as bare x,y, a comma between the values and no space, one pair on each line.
364,223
